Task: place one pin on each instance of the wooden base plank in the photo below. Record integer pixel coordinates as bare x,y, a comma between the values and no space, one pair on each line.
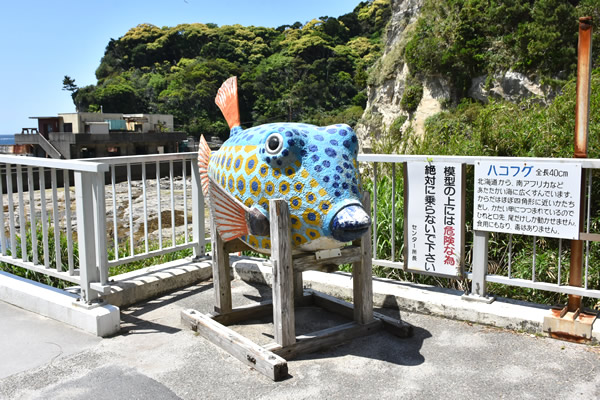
308,262
394,326
248,352
325,338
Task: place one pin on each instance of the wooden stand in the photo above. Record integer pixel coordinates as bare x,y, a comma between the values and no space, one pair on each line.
288,293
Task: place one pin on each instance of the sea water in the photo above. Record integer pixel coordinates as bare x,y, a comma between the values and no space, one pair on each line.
7,139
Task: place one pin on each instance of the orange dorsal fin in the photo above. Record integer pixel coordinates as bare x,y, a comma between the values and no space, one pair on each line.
227,100
228,213
203,159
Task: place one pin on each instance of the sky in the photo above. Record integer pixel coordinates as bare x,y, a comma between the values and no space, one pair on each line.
41,41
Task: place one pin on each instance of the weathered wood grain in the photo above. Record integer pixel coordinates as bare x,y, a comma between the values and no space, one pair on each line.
283,277
221,274
248,352
362,274
308,262
325,338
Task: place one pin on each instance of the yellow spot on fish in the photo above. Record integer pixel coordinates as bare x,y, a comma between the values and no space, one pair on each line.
325,206
311,198
298,164
276,172
266,243
299,239
249,149
249,202
237,164
252,241
241,185
296,224
311,217
298,187
284,187
322,192
255,186
263,170
237,149
264,203
251,164
295,202
304,173
312,234
289,172
269,188
314,183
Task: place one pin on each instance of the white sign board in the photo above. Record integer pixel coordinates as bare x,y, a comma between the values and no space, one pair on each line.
527,198
434,227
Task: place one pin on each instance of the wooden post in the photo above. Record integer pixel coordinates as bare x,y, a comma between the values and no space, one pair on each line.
283,277
298,285
362,274
221,274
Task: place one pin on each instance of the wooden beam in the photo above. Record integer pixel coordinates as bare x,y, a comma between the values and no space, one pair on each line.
362,274
235,245
235,344
324,339
283,277
221,274
298,286
309,262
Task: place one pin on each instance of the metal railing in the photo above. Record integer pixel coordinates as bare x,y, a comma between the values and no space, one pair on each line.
77,228
43,235
480,269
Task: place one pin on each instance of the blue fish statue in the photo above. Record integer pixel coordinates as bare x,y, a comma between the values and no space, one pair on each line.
313,168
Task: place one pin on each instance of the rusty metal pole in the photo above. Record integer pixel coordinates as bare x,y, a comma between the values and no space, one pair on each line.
582,112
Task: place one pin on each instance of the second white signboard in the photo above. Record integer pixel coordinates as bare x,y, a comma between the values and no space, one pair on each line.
527,198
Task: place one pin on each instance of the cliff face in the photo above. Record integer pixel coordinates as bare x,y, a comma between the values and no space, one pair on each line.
390,77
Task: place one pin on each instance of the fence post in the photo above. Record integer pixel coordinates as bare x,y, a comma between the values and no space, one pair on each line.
480,265
85,234
198,230
99,198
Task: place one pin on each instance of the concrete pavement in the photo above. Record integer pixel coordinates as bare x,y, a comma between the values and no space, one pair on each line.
154,357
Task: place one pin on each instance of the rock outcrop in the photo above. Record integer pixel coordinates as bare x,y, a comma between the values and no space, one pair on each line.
388,81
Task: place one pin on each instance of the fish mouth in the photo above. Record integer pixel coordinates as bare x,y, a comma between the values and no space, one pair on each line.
350,223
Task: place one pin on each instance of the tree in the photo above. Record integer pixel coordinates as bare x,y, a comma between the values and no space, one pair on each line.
69,84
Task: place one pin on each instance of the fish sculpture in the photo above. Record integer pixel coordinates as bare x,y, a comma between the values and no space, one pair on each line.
313,168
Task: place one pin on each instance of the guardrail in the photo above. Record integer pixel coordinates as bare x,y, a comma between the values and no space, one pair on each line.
480,268
41,234
78,236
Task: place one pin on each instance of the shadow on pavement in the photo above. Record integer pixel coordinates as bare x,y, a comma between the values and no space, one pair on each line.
134,319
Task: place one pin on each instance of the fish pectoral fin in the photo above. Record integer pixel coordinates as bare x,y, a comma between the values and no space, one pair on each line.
227,100
203,159
258,223
228,212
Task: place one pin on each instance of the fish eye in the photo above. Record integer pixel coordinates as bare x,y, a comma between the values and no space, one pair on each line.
274,143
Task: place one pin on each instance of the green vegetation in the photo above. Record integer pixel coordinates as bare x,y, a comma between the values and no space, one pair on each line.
117,270
461,39
316,72
501,129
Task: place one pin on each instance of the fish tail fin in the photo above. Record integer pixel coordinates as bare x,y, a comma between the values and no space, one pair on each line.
203,159
227,100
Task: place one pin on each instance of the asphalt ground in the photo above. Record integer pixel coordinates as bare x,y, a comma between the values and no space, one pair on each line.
155,357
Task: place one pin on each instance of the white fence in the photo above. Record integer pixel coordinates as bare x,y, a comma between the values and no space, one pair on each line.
126,209
43,235
479,267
